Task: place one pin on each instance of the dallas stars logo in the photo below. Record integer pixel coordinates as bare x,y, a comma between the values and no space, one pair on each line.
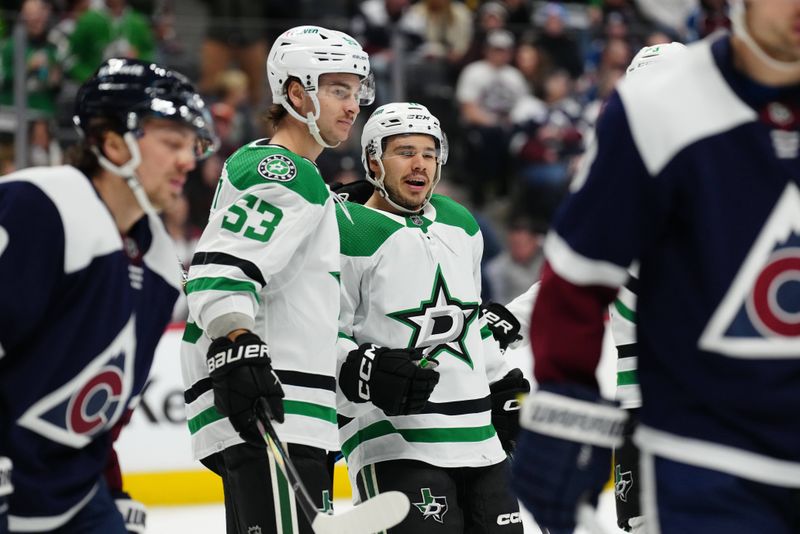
431,506
440,323
277,167
622,483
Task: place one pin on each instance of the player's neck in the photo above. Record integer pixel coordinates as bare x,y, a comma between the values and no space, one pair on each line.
747,62
119,199
295,137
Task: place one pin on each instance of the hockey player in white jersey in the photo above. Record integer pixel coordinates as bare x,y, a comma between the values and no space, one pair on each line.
265,281
415,408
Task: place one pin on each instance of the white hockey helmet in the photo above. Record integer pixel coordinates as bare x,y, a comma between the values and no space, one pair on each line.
650,55
305,53
400,118
739,26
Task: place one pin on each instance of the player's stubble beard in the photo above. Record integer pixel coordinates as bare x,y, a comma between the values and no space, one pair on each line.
394,194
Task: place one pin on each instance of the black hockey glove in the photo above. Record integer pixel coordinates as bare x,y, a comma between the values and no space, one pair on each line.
392,379
133,512
505,407
241,373
358,191
502,323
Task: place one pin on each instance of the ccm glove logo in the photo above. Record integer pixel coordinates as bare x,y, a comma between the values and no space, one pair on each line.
508,519
365,372
234,354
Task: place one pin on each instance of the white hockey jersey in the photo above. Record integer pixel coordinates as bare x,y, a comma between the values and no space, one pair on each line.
269,255
414,281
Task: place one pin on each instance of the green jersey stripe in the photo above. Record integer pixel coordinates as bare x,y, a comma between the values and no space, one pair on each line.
192,333
220,284
342,335
309,409
206,417
418,435
627,378
624,311
485,332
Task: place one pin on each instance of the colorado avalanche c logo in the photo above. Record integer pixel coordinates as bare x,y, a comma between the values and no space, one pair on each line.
774,304
89,409
759,316
92,401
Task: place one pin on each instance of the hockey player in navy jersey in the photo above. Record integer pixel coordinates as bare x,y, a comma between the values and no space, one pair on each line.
694,173
88,279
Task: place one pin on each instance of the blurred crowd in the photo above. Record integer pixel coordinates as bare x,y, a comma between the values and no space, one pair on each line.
517,84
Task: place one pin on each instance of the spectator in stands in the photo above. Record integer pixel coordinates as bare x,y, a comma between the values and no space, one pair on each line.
547,136
42,72
562,49
486,92
708,17
490,16
375,25
236,35
519,16
533,65
513,271
230,112
114,30
61,32
444,26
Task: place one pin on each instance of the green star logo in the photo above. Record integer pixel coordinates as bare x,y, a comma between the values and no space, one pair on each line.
277,167
440,323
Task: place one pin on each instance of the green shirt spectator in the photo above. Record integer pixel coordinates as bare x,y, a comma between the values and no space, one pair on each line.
117,31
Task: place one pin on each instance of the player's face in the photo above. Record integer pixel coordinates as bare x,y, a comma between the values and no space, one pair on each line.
775,25
410,165
338,102
168,154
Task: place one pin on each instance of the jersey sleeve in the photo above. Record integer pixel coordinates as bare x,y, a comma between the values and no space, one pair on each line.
244,244
350,299
521,308
31,260
596,236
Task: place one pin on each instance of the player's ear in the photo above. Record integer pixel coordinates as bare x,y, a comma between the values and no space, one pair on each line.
114,147
296,94
373,166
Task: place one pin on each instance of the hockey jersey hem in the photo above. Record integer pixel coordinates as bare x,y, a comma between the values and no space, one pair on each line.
47,523
719,457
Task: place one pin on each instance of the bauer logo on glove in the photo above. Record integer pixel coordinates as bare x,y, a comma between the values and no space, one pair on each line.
233,354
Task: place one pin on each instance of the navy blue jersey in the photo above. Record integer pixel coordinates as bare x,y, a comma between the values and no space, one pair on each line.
695,173
81,313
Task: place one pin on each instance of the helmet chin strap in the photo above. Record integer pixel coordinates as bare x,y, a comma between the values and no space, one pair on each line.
740,30
128,171
310,119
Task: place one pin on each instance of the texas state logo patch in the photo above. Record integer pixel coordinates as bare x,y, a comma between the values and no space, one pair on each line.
277,167
759,317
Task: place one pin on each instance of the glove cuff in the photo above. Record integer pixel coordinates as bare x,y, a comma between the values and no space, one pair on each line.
5,476
563,416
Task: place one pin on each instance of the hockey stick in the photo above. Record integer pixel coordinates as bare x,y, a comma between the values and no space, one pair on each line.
373,515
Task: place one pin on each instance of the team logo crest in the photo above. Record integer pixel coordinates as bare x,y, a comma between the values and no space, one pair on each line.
90,403
622,483
759,317
440,323
431,506
277,167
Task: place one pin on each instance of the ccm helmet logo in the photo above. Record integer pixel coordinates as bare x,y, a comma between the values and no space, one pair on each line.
420,117
508,519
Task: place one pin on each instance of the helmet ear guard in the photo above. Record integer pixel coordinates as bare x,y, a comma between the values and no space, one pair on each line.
400,118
